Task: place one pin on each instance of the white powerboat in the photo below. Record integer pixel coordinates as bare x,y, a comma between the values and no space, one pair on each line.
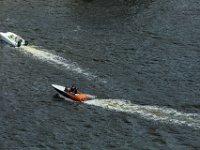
12,39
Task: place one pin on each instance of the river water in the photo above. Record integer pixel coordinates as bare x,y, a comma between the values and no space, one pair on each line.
140,58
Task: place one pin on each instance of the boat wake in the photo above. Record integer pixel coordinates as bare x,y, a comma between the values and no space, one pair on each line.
156,113
162,114
59,61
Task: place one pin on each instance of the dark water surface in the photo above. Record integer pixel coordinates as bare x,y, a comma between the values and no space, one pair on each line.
145,52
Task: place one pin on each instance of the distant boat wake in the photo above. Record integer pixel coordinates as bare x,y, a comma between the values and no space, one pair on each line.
156,113
57,60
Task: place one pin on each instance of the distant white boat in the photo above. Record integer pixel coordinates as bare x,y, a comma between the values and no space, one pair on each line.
12,39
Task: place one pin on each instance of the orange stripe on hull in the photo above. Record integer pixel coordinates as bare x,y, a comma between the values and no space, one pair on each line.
77,97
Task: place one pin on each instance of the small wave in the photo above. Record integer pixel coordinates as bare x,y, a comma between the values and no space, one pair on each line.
156,113
57,60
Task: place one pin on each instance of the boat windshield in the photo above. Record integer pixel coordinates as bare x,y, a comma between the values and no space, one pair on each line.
14,37
11,37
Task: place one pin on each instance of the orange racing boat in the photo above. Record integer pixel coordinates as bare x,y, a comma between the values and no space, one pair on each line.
63,91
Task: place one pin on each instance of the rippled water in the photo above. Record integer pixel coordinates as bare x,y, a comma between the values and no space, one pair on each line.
140,58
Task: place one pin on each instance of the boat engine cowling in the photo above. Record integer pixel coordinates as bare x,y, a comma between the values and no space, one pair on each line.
19,43
26,43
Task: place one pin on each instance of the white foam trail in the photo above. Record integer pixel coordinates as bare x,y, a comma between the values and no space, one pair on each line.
56,60
162,114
